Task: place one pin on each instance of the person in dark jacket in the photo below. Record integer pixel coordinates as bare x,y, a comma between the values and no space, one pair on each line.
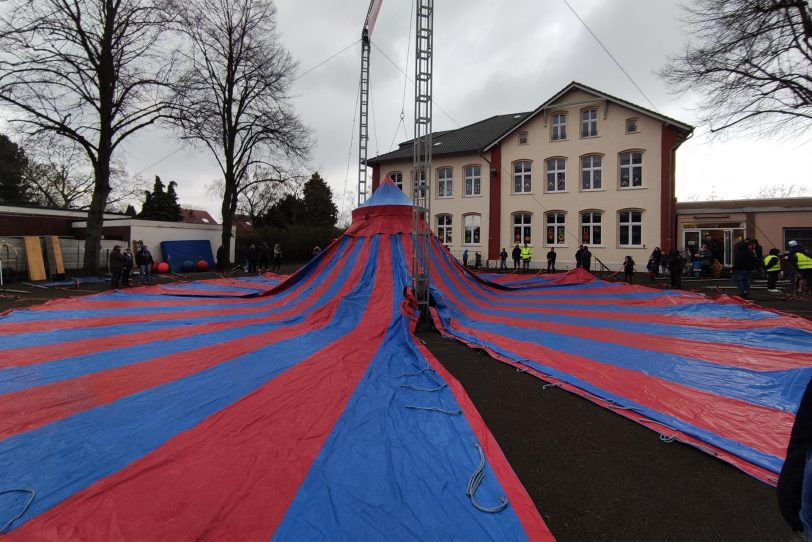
657,258
503,259
144,261
517,256
116,265
551,260
744,262
128,268
586,257
578,256
794,489
221,259
675,264
628,269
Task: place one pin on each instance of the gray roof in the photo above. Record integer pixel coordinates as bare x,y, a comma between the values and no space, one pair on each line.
472,138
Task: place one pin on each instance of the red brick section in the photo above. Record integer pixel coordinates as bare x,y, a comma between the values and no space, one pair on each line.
668,213
376,176
495,204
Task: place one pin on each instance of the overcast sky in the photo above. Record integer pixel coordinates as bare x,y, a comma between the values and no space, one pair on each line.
490,58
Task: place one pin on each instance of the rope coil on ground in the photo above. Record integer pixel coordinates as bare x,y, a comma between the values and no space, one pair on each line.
476,480
24,509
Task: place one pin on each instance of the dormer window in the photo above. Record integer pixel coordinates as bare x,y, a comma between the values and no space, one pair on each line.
631,126
522,138
559,127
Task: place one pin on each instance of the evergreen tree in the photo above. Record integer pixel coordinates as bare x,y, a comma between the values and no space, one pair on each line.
131,211
13,164
288,211
318,203
160,204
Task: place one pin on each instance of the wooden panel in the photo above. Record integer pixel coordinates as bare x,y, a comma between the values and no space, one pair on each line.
57,252
33,256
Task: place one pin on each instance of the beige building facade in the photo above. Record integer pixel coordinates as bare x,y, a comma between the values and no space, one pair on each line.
583,168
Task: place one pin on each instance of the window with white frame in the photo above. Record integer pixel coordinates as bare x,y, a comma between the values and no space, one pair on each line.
591,168
589,122
473,181
591,228
522,138
444,228
397,178
631,228
556,177
471,223
631,169
444,182
559,127
631,126
556,228
521,227
421,183
522,182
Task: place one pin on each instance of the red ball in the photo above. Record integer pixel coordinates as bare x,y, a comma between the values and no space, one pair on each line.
154,267
163,267
202,265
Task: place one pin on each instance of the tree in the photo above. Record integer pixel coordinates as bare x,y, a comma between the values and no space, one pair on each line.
318,203
752,62
160,204
13,163
130,211
233,98
778,191
89,71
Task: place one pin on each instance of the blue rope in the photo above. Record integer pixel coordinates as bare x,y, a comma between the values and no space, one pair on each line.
435,409
25,508
427,368
415,388
476,480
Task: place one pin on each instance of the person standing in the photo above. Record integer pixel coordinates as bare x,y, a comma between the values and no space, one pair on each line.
252,259
128,268
264,257
144,261
221,259
772,266
465,258
744,262
578,254
801,263
116,266
503,259
526,255
517,256
277,258
656,257
628,269
794,490
675,263
551,260
586,257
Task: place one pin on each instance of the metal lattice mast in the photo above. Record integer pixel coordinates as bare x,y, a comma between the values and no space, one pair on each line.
363,122
363,99
421,212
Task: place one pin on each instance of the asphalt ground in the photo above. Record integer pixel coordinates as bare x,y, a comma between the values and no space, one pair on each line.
593,474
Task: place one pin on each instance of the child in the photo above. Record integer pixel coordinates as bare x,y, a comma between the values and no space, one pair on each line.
716,269
628,269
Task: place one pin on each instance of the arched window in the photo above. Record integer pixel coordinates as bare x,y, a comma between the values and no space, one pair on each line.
591,172
556,227
556,175
473,181
631,169
397,178
591,228
522,182
444,228
445,181
522,227
630,222
471,223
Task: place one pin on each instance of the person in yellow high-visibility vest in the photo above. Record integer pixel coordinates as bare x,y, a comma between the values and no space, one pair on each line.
772,266
526,255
